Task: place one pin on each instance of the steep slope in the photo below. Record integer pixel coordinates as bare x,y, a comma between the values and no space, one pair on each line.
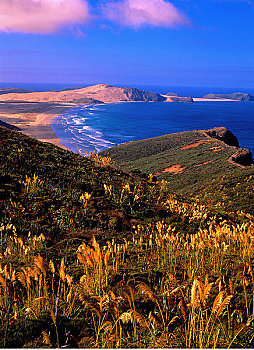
9,126
91,257
194,163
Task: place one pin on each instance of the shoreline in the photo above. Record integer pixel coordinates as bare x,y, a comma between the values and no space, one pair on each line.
35,120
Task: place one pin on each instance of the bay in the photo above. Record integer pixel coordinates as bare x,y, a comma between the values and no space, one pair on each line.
95,128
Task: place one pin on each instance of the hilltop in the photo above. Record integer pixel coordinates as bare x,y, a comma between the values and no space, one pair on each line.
9,90
194,163
100,93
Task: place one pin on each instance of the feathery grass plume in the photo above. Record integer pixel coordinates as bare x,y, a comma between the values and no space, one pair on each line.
2,281
53,317
38,262
231,286
69,279
89,254
62,270
224,305
81,258
52,267
107,257
195,295
218,301
139,318
97,253
206,293
125,317
147,291
46,339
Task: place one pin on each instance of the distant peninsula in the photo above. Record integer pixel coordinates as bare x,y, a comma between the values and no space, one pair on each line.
236,96
34,111
100,93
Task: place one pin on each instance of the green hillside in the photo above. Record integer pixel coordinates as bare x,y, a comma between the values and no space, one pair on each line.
94,257
193,164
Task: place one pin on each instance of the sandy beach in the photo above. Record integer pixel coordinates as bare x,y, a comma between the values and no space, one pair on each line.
201,99
34,112
34,118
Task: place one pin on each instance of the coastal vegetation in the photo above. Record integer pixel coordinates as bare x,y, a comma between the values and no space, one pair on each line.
209,168
91,256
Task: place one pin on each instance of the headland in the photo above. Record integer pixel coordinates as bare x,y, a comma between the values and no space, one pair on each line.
33,112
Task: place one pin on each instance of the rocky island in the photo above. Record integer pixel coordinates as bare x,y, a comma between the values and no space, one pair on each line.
236,96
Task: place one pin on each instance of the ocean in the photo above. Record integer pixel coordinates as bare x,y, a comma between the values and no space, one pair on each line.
97,127
93,128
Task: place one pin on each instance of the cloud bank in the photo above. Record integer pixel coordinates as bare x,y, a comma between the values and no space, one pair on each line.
41,16
138,13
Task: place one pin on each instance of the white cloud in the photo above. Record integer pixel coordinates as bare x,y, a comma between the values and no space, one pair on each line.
138,13
41,16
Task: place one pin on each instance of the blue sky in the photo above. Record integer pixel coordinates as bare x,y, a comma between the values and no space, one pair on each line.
128,42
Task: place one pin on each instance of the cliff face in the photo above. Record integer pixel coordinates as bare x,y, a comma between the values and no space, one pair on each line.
225,135
237,96
134,94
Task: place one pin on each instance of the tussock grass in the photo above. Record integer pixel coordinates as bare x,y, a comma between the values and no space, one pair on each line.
93,257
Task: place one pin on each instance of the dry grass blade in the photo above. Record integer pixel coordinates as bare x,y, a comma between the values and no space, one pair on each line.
128,298
184,309
107,257
93,308
218,301
107,327
131,295
153,319
206,280
223,305
21,278
173,320
138,318
147,291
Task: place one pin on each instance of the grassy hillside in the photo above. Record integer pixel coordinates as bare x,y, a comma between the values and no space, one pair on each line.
93,257
194,164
